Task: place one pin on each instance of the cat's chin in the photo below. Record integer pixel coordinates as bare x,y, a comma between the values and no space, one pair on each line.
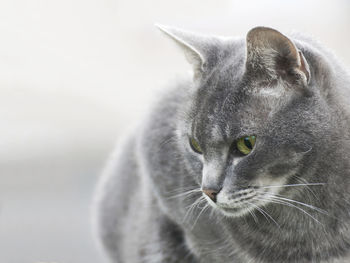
231,211
234,212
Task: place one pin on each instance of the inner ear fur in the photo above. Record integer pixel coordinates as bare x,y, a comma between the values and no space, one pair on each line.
200,50
272,55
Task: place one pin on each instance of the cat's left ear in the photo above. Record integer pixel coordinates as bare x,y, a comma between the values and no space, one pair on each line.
272,55
199,49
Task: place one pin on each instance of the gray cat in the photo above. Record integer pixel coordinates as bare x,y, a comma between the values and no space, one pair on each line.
247,162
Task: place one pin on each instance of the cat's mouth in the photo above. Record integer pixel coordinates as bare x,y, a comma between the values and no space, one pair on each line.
237,212
238,204
231,210
238,209
247,200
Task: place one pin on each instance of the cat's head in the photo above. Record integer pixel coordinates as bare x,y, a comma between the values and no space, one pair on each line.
255,121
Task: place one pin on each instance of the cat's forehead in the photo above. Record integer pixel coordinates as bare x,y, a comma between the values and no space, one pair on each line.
229,111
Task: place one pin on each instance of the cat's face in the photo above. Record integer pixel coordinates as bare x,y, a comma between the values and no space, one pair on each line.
249,140
253,123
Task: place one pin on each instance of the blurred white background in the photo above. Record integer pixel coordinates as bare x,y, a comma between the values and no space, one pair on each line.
75,74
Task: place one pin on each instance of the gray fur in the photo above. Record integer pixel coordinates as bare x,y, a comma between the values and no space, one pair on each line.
149,205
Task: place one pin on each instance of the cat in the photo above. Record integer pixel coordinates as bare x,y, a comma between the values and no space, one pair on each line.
246,161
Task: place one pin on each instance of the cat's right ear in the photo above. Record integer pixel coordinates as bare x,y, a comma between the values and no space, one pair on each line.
197,48
272,55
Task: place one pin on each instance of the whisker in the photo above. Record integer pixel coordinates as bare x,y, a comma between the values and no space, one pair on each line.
182,189
253,215
200,213
264,213
212,214
291,185
186,194
276,201
192,207
301,203
256,207
302,180
200,198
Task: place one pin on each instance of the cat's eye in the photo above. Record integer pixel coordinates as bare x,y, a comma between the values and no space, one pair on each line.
246,144
195,146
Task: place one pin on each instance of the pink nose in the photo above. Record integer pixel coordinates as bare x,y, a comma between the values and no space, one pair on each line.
211,193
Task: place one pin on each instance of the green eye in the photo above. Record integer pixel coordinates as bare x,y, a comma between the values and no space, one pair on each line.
195,146
246,144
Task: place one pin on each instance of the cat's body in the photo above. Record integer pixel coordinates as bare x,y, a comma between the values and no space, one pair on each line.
144,210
